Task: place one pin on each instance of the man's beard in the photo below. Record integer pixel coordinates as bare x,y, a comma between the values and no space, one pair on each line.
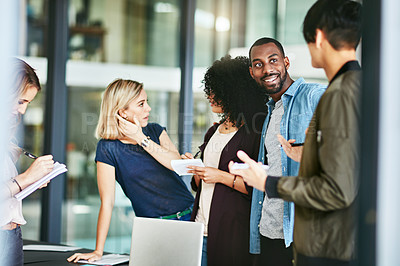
272,90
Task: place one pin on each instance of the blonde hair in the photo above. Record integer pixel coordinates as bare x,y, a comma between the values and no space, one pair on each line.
23,77
118,95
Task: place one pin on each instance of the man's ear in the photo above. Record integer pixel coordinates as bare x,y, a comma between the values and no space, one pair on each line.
319,38
251,72
287,62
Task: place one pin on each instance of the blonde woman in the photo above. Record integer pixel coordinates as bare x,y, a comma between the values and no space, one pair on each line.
136,154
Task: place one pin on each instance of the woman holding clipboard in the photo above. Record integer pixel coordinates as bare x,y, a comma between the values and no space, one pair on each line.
25,87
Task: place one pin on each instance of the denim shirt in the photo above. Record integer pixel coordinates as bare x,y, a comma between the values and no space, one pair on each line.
299,102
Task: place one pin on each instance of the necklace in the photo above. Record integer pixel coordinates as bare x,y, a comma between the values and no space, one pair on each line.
228,126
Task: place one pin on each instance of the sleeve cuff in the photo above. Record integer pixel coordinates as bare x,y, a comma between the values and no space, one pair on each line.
271,186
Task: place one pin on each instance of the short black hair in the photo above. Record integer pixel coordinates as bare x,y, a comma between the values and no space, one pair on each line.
266,40
340,20
229,84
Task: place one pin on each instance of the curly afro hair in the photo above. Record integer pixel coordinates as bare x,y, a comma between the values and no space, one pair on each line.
229,84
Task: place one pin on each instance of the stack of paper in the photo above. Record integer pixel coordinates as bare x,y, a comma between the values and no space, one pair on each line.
239,166
50,248
57,170
110,259
180,166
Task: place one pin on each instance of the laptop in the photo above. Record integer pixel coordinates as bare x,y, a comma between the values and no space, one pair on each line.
166,242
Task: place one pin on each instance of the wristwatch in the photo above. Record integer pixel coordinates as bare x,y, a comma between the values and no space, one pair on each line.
145,142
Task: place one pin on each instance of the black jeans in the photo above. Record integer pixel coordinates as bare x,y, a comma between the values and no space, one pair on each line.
11,247
310,261
274,253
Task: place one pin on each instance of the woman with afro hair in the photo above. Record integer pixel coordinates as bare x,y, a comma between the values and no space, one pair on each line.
223,200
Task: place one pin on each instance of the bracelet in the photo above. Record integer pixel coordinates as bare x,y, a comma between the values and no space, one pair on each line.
145,142
16,182
234,180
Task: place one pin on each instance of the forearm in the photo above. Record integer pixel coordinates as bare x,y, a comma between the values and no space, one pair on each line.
236,183
333,182
328,175
11,187
103,225
161,154
316,192
22,180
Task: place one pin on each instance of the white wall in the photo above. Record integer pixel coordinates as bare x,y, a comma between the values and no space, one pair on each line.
99,75
388,196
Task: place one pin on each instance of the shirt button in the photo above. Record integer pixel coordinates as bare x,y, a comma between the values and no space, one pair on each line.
258,225
260,202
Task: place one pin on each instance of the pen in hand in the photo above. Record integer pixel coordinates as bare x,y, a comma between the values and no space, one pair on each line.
30,155
197,153
296,144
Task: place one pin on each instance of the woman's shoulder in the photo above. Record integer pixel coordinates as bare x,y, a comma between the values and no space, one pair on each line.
154,126
106,150
107,143
211,131
153,129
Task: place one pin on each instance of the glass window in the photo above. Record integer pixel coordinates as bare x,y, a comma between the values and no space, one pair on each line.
31,130
125,31
30,137
36,26
294,17
260,20
132,39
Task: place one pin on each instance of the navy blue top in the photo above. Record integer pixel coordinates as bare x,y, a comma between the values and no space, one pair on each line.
153,190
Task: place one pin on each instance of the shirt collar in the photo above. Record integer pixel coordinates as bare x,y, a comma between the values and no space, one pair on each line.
350,65
291,91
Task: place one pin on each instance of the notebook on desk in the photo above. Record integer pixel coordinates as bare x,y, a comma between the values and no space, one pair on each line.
165,242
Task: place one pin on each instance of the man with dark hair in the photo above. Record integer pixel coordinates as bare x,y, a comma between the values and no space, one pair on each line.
290,109
325,190
340,23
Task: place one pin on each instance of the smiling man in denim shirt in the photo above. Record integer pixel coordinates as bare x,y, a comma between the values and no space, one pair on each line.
326,189
290,109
